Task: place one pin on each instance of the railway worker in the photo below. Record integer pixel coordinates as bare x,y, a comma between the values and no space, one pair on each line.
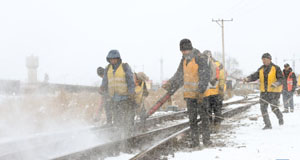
215,92
289,87
105,100
118,84
193,74
141,92
271,78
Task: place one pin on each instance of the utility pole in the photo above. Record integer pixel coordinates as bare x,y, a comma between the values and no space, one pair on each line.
220,22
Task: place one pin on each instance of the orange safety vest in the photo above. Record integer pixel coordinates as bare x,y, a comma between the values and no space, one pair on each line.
219,75
191,79
290,82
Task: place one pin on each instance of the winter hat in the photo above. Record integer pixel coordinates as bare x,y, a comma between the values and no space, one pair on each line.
286,65
142,76
266,55
185,44
207,53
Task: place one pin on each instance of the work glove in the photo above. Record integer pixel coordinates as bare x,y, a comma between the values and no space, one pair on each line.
245,80
275,84
200,98
167,86
213,82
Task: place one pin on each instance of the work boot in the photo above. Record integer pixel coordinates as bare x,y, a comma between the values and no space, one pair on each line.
267,127
292,110
286,110
194,144
281,121
207,143
216,128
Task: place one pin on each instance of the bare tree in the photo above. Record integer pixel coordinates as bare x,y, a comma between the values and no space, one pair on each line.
232,65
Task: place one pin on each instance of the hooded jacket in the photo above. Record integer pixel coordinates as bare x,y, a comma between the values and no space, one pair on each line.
128,76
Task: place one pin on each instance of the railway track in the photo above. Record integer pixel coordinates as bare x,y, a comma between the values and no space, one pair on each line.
149,142
40,143
169,144
244,100
43,141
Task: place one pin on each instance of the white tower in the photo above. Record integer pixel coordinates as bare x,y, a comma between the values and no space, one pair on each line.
32,63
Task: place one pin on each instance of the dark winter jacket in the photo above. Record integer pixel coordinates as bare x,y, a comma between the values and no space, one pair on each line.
177,80
293,76
129,80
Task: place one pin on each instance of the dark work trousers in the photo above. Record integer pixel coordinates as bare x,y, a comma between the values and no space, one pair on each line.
193,109
215,103
123,111
108,110
192,106
272,98
288,101
205,125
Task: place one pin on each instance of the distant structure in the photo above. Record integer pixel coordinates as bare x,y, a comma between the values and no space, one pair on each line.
161,70
46,78
32,64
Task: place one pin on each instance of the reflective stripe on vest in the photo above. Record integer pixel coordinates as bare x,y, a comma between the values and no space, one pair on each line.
117,82
191,79
290,82
214,91
139,93
271,79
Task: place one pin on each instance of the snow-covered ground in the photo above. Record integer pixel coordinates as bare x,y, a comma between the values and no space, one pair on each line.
243,139
247,141
234,98
124,156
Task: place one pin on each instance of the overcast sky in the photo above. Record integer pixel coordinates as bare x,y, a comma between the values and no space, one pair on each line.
72,37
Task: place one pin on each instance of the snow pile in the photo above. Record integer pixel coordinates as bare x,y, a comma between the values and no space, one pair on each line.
247,141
